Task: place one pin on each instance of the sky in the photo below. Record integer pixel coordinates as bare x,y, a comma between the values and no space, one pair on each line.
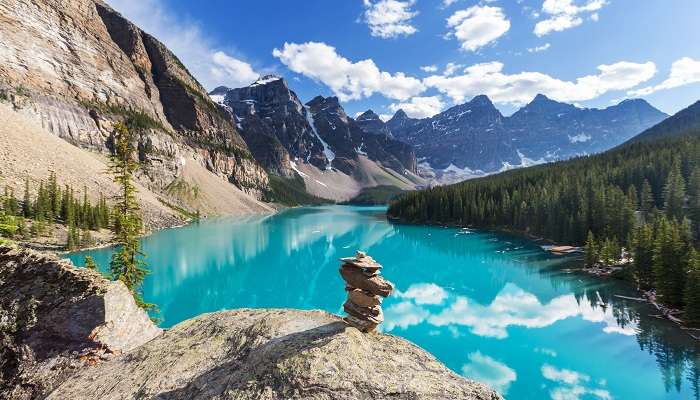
424,56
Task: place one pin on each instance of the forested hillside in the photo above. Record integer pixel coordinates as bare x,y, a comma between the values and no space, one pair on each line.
641,199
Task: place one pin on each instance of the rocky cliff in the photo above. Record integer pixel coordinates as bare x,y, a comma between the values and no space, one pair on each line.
68,333
316,140
88,67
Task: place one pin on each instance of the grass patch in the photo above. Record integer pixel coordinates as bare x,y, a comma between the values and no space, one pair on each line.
291,192
185,213
133,119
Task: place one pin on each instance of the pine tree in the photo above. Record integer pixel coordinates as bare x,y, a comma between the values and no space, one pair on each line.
674,192
692,289
127,264
643,254
89,263
27,201
646,200
669,251
591,251
694,201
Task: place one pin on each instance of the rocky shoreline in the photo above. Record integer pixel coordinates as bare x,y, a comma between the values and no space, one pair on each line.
69,333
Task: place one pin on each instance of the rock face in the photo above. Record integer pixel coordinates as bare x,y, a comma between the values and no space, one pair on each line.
287,136
271,354
474,139
55,319
87,67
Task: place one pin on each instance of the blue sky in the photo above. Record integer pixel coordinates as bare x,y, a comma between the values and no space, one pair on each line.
426,55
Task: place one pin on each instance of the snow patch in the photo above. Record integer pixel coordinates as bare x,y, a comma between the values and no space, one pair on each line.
330,155
217,98
265,80
295,168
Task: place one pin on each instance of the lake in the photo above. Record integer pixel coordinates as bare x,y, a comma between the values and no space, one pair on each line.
492,307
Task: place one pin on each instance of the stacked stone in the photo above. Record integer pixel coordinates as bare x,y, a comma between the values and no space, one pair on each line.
366,290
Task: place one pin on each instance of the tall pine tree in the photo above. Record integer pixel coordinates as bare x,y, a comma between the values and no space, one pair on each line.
127,264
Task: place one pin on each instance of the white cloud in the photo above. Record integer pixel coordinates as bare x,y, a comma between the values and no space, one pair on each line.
478,26
571,385
390,18
420,107
485,369
424,293
511,307
451,68
447,3
209,64
683,72
566,14
538,49
429,68
348,80
519,88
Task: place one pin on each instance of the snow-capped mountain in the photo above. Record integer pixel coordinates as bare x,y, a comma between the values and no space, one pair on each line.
475,139
317,140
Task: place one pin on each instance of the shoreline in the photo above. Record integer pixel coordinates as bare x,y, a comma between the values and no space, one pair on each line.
602,273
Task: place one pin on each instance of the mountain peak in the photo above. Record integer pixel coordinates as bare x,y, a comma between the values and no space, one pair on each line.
399,115
368,115
220,90
267,79
481,99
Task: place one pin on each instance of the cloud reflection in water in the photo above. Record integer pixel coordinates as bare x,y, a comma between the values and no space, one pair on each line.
423,303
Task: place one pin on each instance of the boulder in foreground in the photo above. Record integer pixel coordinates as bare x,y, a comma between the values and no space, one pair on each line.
272,354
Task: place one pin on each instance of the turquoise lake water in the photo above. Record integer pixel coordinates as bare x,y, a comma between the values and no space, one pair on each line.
492,307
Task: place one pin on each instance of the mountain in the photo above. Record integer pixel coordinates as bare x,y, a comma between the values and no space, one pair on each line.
562,201
316,141
475,139
76,67
643,196
685,122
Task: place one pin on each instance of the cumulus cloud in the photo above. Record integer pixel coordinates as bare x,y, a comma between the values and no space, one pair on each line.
348,80
424,293
511,307
485,369
683,72
477,26
429,68
420,107
209,64
572,385
451,68
519,88
538,49
390,18
565,14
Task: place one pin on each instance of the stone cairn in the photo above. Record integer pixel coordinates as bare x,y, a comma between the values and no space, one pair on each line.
366,290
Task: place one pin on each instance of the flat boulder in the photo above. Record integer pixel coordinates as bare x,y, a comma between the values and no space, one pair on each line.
271,354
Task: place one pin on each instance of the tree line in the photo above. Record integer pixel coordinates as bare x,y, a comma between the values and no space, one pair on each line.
51,204
33,214
639,202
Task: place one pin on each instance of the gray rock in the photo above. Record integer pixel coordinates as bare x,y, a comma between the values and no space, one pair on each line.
271,354
56,318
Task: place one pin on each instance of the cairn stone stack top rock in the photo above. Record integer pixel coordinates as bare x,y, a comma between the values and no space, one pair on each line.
366,289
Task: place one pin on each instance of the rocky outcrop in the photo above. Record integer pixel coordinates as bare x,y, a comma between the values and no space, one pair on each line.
271,354
88,66
474,139
68,333
56,319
